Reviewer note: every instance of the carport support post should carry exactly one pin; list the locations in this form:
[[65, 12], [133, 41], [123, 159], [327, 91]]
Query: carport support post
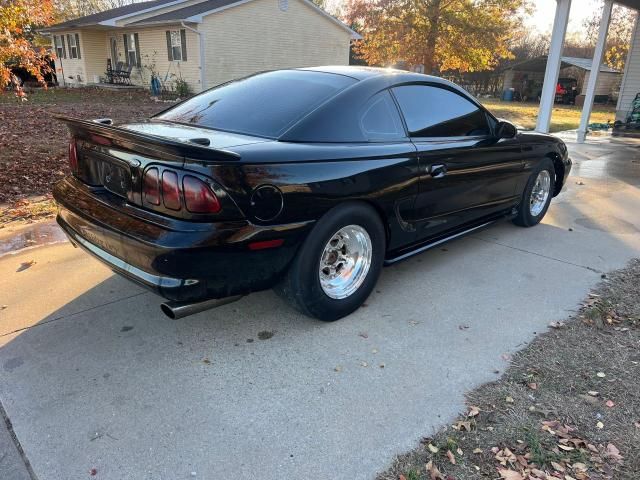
[[553, 65], [595, 71]]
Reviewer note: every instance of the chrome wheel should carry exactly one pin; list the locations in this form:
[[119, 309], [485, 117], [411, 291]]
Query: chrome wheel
[[540, 193], [345, 261]]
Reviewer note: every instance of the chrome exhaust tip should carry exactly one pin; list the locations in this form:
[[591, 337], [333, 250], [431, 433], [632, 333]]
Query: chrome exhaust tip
[[176, 310]]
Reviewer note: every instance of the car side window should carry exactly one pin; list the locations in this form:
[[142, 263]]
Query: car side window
[[431, 111], [380, 119]]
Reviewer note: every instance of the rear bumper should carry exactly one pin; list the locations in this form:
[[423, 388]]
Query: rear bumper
[[179, 260]]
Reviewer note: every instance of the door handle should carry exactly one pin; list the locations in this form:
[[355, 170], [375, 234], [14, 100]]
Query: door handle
[[438, 170]]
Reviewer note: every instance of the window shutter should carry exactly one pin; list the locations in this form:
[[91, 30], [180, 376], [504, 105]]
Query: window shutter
[[183, 42], [169, 51], [78, 45], [64, 49], [126, 47], [138, 61], [69, 43]]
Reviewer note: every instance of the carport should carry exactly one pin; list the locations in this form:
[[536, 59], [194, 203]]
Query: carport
[[630, 79]]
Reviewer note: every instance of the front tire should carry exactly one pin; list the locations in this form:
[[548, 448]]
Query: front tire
[[536, 197], [338, 265]]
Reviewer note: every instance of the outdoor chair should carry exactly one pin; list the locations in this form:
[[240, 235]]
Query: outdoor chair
[[124, 76], [112, 75]]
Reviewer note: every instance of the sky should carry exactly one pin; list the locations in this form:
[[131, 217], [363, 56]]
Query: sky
[[542, 19]]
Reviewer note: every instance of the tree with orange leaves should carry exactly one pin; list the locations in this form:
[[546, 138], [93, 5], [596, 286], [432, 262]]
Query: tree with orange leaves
[[441, 35], [18, 22]]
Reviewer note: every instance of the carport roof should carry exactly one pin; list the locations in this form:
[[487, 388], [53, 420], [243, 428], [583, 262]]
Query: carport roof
[[539, 64], [630, 3]]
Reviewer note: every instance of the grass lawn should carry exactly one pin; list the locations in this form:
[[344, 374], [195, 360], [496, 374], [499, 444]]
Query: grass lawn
[[564, 117], [566, 408]]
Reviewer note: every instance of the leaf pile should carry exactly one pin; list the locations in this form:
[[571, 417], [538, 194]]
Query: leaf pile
[[34, 145], [568, 406]]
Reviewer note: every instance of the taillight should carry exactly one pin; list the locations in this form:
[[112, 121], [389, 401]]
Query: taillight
[[151, 187], [170, 190], [73, 155], [167, 189], [198, 196]]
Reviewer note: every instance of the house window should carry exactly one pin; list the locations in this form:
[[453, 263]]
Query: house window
[[74, 50], [177, 45], [58, 41], [132, 49]]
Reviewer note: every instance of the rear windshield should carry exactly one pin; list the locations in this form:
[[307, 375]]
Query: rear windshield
[[265, 104]]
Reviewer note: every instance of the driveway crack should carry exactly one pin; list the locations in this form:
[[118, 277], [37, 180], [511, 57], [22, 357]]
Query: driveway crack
[[591, 269], [69, 315], [16, 442]]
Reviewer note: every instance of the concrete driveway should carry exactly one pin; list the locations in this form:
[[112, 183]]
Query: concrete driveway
[[93, 376]]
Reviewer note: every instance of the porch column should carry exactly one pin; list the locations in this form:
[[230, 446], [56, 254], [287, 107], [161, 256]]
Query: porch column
[[553, 65], [595, 70]]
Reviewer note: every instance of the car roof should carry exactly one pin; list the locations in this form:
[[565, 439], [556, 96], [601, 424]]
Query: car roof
[[363, 73]]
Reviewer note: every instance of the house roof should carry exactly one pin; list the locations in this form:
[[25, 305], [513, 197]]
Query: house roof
[[190, 13], [107, 15], [195, 12], [539, 64]]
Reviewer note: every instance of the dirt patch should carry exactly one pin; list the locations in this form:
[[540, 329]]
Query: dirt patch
[[567, 408], [34, 145]]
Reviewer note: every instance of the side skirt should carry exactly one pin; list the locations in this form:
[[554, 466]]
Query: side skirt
[[423, 247]]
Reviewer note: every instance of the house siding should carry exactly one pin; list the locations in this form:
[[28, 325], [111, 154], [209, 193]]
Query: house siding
[[631, 80], [258, 35], [71, 71], [153, 50]]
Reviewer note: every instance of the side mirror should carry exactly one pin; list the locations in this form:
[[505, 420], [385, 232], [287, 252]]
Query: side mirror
[[506, 129]]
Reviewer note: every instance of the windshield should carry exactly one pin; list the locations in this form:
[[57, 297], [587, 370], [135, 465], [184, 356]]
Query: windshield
[[265, 104]]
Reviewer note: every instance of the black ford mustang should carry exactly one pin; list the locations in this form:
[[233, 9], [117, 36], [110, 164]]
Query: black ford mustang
[[306, 180]]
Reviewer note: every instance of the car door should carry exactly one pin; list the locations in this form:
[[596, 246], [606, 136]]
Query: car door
[[466, 173]]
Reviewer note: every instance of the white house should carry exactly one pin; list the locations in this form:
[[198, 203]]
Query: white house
[[204, 42]]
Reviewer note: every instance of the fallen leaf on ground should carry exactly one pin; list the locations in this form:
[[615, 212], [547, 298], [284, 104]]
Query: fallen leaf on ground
[[338, 368], [613, 453], [510, 474], [556, 324], [533, 386], [432, 448], [601, 374], [600, 425], [363, 335], [473, 411], [25, 265], [462, 426], [433, 471], [509, 400], [593, 393], [557, 467], [477, 451], [610, 404], [451, 457]]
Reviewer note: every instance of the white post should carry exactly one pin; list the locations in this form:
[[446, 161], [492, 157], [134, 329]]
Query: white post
[[595, 70], [553, 65]]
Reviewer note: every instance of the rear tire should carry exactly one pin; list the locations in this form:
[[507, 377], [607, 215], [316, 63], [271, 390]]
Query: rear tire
[[536, 197], [338, 265]]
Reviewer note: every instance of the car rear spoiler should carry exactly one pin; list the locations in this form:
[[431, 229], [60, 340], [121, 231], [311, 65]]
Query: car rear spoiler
[[102, 132]]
